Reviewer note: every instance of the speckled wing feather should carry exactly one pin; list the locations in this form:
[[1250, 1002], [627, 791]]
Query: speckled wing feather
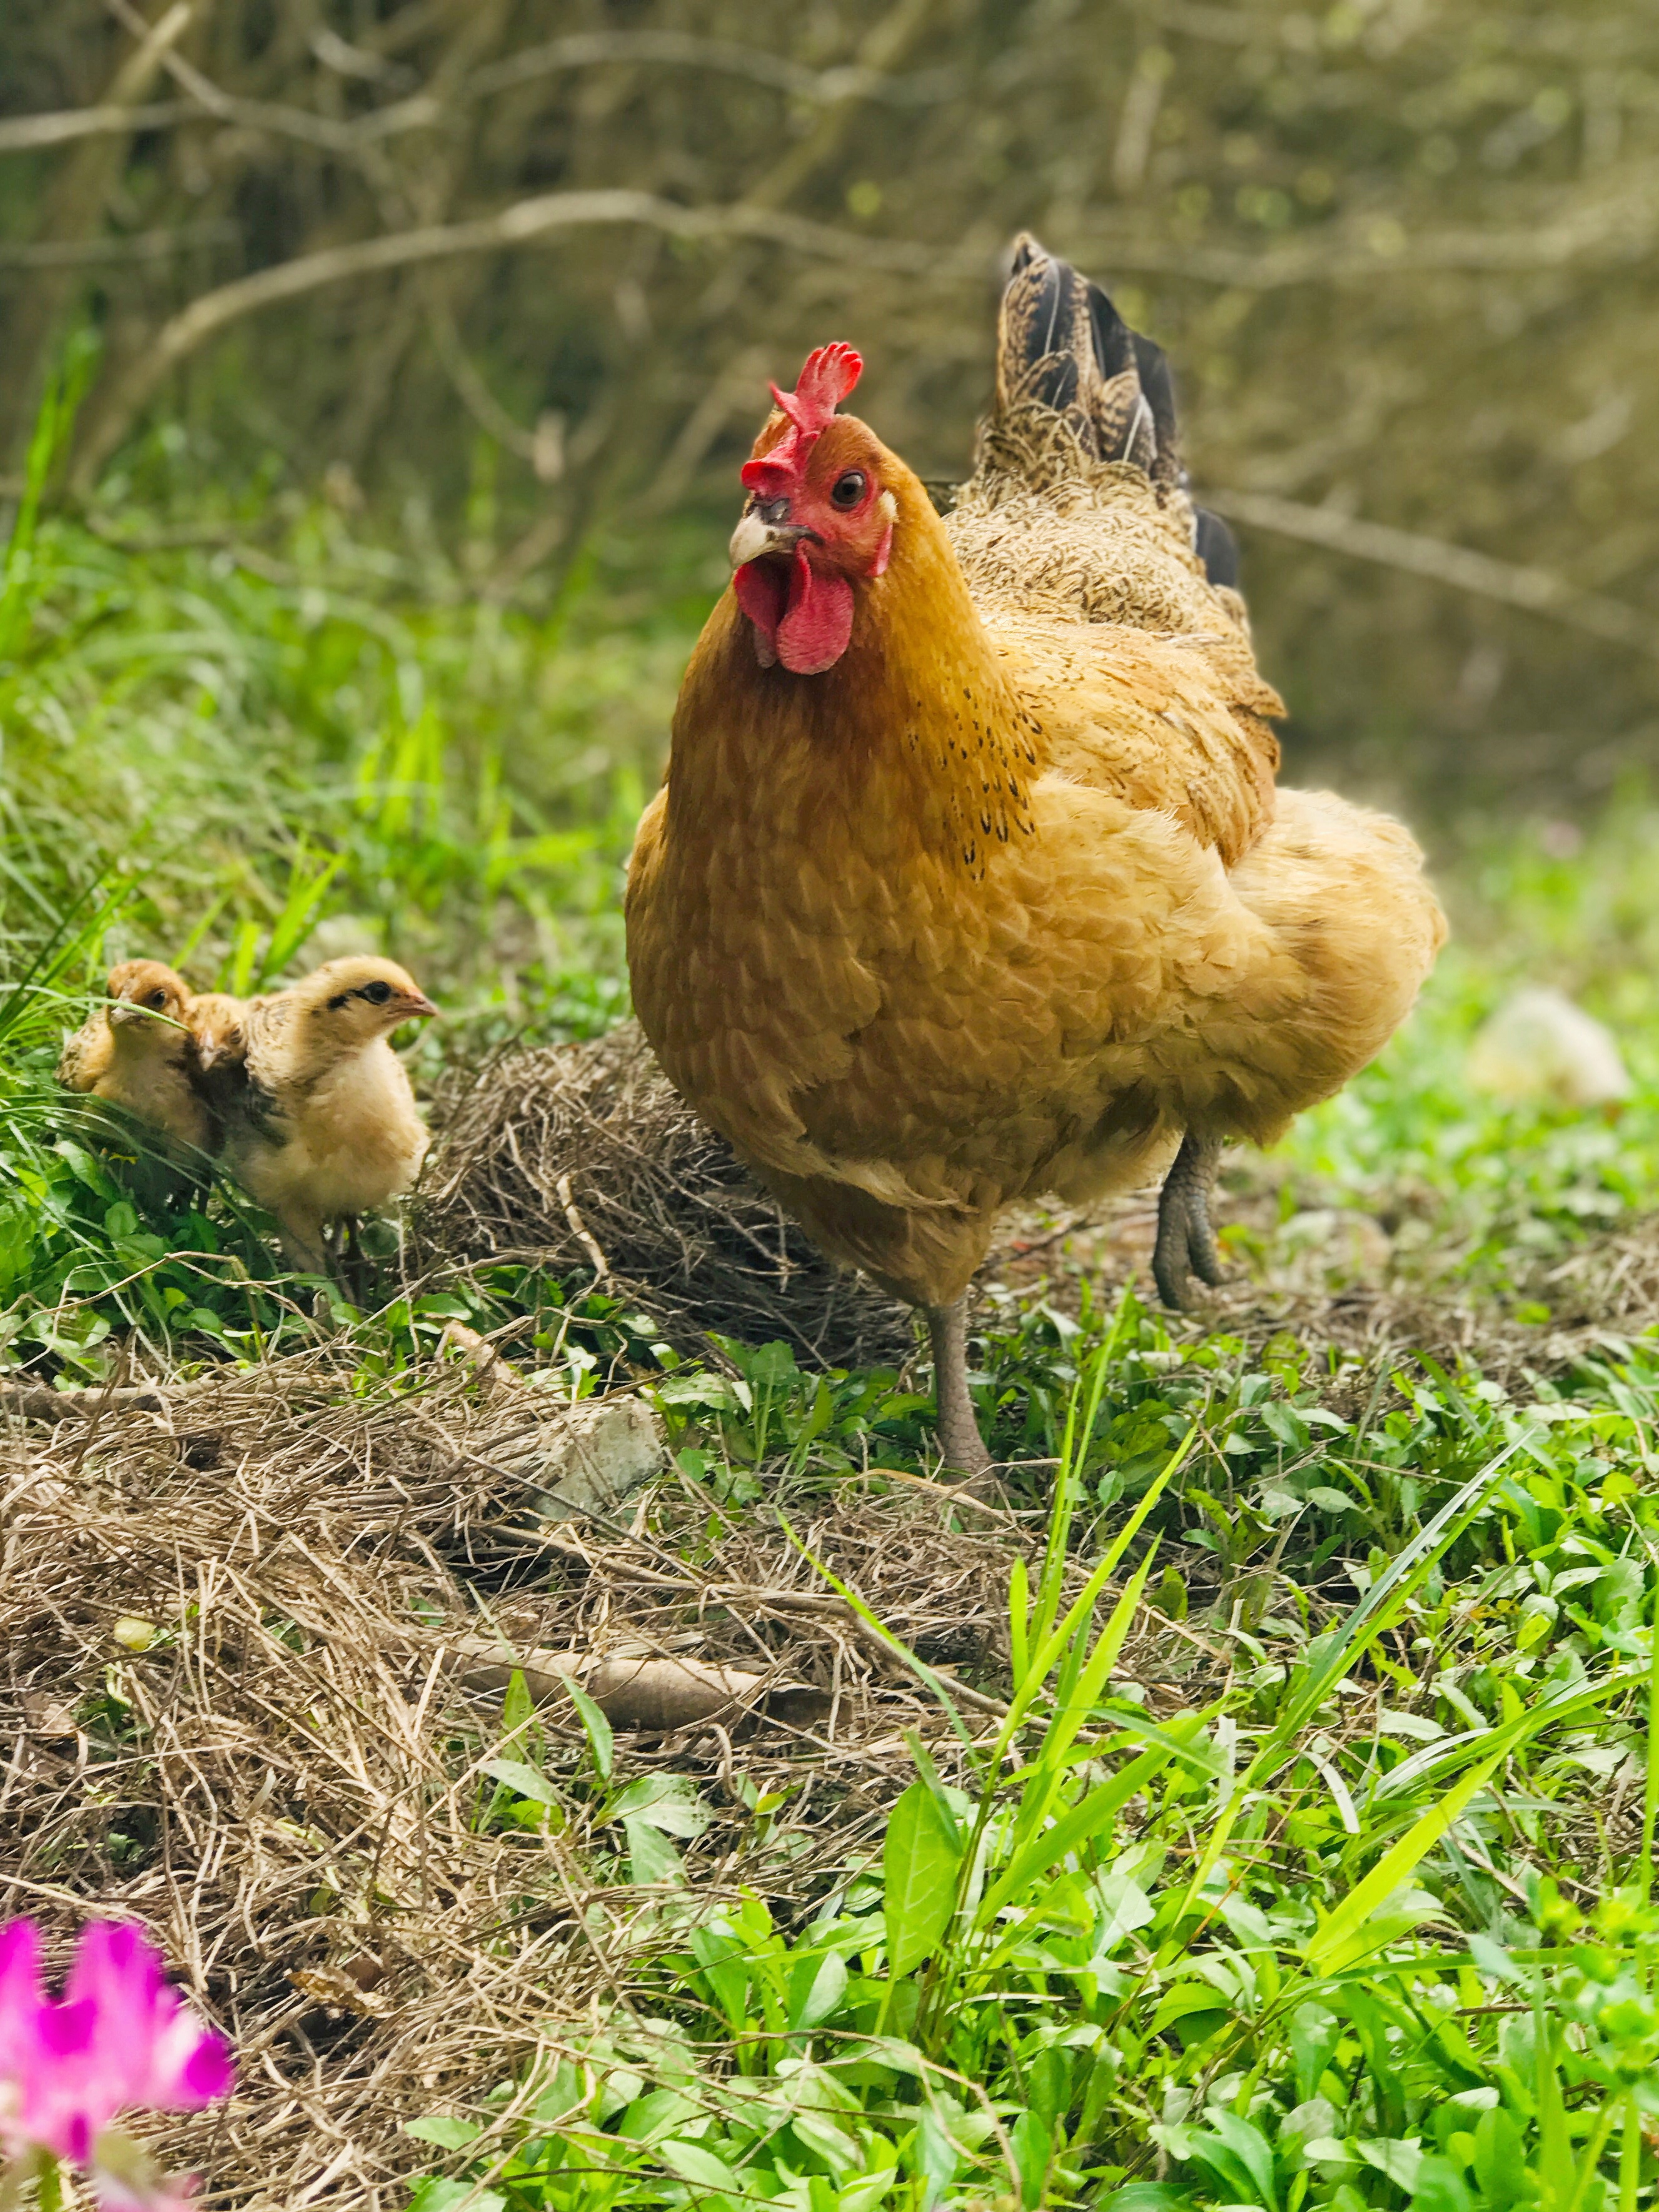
[[247, 1092], [86, 1055], [1179, 724]]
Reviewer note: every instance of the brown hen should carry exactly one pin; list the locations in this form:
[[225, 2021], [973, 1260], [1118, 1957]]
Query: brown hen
[[968, 881]]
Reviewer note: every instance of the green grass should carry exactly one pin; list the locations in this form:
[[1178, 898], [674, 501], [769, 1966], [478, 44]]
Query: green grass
[[1311, 1940], [1318, 1925]]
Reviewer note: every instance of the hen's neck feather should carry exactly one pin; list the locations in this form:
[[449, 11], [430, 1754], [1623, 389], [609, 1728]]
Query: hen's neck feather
[[916, 721]]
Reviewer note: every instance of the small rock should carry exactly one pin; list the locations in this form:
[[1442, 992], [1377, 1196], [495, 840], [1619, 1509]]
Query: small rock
[[1538, 1045], [594, 1454]]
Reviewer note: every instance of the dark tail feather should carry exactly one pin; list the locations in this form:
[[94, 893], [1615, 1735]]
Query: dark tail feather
[[1061, 342], [1216, 547]]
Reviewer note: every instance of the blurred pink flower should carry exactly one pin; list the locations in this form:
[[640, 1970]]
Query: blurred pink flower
[[118, 2038]]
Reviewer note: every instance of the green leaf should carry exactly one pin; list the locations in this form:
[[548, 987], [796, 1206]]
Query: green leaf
[[525, 1780], [651, 1858], [817, 1986], [1033, 2145], [667, 1801], [517, 1706], [447, 2133], [694, 2164], [601, 1742], [1091, 1817], [1250, 2147], [1441, 2188], [438, 2194], [1500, 2166], [920, 1857]]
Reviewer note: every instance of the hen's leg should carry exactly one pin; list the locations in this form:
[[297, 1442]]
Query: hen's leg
[[956, 1427], [1186, 1242]]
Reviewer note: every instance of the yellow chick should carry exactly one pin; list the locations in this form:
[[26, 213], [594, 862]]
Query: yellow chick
[[322, 1127], [214, 1019], [137, 1053]]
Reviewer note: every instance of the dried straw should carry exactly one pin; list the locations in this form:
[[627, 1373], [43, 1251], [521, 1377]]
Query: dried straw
[[285, 1786], [583, 1159]]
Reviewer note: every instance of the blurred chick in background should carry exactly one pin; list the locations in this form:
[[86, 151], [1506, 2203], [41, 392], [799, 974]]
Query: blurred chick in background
[[320, 1123], [137, 1053]]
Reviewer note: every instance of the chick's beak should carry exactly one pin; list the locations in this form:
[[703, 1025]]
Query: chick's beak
[[123, 1010], [417, 1007], [755, 535]]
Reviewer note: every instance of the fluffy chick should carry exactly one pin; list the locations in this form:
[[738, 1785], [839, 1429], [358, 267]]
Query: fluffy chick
[[219, 1055], [322, 1126], [137, 1053], [215, 1019]]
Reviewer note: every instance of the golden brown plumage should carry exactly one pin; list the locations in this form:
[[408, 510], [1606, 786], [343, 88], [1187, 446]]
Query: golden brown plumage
[[137, 1052], [957, 893]]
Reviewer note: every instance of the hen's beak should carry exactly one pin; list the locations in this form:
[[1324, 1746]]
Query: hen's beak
[[755, 535]]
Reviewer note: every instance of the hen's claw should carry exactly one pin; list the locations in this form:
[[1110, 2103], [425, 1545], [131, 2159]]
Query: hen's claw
[[1185, 1240]]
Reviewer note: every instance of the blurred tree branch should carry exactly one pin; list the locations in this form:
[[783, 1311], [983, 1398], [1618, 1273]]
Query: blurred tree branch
[[1404, 260], [1535, 589]]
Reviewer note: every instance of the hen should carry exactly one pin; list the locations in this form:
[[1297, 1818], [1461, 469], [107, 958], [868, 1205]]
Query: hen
[[968, 881]]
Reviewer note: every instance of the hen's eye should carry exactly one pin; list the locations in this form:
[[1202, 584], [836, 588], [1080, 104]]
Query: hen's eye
[[376, 993], [156, 999], [848, 489]]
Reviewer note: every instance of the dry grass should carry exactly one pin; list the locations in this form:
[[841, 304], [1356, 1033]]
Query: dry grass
[[285, 1786], [583, 1159]]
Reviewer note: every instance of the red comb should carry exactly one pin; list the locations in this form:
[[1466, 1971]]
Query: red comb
[[826, 378], [827, 375]]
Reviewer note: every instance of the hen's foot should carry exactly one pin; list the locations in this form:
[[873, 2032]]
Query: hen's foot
[[1185, 1241], [958, 1429]]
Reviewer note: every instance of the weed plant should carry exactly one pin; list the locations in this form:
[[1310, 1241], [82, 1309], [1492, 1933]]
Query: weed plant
[[1351, 1929]]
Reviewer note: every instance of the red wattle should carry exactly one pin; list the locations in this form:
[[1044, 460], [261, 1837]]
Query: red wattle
[[817, 623]]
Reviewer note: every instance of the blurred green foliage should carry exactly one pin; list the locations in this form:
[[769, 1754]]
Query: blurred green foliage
[[1402, 257]]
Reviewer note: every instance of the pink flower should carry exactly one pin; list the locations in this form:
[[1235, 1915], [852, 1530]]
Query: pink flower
[[118, 2039]]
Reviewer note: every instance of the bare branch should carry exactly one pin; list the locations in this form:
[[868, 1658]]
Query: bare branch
[[419, 111], [1535, 589], [524, 223], [251, 114], [116, 251], [27, 134], [682, 50]]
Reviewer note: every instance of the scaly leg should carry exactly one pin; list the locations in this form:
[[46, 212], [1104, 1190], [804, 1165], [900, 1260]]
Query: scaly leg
[[1186, 1242], [956, 1425]]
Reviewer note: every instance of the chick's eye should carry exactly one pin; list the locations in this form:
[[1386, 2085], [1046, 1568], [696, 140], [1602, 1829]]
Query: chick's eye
[[848, 489], [156, 999], [377, 993]]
